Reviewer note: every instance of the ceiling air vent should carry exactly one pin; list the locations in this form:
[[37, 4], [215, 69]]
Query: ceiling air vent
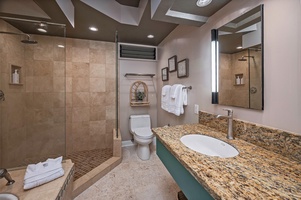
[[132, 51]]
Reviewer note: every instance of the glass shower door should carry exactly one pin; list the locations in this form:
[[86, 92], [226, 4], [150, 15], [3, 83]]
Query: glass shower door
[[33, 119], [255, 71]]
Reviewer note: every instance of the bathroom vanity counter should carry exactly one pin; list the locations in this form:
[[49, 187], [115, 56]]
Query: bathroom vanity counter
[[255, 173], [58, 189]]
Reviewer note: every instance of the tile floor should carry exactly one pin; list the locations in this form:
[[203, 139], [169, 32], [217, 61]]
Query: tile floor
[[85, 161], [134, 179]]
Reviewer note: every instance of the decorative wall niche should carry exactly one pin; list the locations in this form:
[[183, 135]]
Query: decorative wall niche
[[139, 94]]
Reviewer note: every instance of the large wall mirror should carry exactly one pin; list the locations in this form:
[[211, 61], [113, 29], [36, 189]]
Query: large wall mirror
[[240, 66]]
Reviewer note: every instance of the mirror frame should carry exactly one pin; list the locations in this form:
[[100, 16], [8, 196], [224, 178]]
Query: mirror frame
[[215, 61]]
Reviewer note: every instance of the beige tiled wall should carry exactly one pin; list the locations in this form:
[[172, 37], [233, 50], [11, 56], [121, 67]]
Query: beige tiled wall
[[90, 97], [231, 94], [33, 113]]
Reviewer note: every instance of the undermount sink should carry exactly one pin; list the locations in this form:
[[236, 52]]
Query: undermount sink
[[8, 196], [209, 146]]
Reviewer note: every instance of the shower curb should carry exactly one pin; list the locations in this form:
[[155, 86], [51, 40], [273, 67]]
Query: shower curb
[[93, 176], [100, 171]]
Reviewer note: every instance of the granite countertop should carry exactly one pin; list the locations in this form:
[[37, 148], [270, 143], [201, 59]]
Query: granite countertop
[[46, 191], [255, 173]]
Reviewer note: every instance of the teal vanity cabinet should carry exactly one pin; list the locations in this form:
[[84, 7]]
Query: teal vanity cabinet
[[192, 189]]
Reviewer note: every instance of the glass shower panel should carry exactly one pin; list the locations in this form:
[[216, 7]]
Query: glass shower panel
[[255, 71], [33, 114]]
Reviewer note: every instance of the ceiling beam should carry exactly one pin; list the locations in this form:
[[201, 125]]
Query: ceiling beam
[[68, 9], [123, 14], [161, 11]]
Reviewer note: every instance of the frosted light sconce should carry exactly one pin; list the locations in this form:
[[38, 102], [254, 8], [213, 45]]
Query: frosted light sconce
[[214, 65]]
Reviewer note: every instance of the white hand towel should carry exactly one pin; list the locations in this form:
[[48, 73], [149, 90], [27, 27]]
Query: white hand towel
[[173, 90], [165, 96], [43, 172], [185, 100], [176, 104]]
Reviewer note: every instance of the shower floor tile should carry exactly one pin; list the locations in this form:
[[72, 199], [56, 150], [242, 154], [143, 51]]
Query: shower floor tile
[[85, 161]]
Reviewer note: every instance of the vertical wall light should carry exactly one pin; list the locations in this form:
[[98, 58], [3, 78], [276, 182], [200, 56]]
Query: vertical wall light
[[214, 65]]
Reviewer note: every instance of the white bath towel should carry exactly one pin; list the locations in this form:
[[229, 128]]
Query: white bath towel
[[176, 104], [43, 172], [165, 96]]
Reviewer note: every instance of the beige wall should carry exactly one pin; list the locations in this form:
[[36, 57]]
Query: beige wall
[[90, 97], [143, 67], [282, 62]]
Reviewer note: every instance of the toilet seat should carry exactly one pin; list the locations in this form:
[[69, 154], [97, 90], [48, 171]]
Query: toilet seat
[[143, 133]]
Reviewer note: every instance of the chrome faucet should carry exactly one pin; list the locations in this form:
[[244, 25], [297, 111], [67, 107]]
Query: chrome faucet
[[4, 173], [230, 122]]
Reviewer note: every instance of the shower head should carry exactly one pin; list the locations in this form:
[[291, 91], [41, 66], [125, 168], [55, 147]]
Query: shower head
[[29, 41], [255, 49], [26, 41], [243, 58]]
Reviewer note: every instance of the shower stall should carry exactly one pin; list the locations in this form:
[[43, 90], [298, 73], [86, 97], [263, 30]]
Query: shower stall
[[241, 78], [65, 101]]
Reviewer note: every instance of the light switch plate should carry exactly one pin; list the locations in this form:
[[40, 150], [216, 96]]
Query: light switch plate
[[196, 109]]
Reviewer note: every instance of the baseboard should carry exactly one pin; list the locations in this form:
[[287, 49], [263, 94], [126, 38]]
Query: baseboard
[[127, 143]]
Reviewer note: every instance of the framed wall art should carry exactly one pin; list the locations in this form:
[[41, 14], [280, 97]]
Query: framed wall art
[[172, 64], [183, 68], [164, 74]]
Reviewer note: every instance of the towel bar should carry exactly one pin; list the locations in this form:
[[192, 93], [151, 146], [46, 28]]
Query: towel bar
[[188, 87]]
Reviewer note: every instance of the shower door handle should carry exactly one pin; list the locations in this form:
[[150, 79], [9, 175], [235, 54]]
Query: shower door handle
[[2, 96]]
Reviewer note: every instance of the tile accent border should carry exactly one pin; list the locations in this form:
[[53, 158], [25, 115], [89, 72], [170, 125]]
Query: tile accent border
[[279, 141], [66, 190]]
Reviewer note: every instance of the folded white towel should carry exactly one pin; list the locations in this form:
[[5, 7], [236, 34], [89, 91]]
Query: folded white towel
[[43, 172], [165, 96], [44, 180], [49, 165]]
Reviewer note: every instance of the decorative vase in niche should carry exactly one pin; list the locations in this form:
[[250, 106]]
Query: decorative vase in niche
[[140, 96]]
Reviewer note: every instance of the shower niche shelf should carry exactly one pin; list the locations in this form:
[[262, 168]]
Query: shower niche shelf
[[13, 68], [238, 80], [139, 94]]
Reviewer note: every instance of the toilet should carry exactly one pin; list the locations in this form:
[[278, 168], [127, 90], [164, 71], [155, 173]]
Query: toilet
[[140, 127]]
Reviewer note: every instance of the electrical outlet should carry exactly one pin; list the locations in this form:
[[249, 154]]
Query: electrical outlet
[[196, 109]]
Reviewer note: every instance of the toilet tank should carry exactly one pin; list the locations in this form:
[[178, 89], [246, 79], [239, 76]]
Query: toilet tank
[[139, 121]]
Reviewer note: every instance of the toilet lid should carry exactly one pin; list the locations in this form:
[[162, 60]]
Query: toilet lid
[[143, 132]]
